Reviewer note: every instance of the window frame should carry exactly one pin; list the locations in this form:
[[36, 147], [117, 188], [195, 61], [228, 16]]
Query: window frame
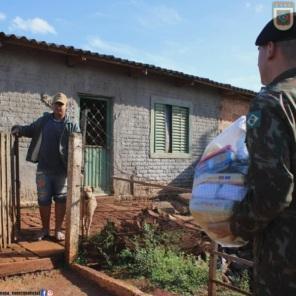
[[172, 102]]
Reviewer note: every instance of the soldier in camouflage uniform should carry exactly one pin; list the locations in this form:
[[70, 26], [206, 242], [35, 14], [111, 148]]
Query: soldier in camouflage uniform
[[268, 213]]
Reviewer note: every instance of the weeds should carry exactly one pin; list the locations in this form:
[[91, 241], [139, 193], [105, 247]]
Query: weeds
[[169, 270], [82, 257], [149, 254], [241, 283]]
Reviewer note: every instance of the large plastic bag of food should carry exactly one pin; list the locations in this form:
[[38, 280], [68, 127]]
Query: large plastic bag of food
[[219, 182], [233, 135]]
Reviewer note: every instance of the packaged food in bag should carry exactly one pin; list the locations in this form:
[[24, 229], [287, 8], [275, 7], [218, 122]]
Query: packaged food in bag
[[218, 162], [219, 182], [230, 136]]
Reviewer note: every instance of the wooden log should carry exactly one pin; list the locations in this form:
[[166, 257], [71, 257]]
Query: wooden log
[[213, 271], [73, 197]]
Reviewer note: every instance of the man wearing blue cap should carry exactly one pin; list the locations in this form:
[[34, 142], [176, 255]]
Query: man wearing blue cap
[[268, 213]]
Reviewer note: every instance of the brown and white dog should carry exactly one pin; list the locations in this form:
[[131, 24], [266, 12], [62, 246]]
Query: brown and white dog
[[88, 207]]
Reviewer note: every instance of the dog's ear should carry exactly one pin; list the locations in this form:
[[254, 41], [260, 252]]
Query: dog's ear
[[87, 189]]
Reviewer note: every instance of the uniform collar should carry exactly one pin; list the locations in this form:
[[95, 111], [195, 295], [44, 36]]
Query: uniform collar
[[283, 76]]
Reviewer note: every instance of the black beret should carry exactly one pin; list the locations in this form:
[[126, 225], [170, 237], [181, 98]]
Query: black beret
[[271, 33]]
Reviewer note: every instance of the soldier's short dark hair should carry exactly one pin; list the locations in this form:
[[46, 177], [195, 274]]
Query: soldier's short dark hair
[[288, 49]]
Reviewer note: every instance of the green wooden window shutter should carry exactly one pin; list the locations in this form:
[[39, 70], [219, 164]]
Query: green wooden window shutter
[[180, 129], [159, 128]]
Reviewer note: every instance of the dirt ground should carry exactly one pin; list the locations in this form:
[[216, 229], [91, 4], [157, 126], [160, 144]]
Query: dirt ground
[[123, 213], [61, 282], [108, 209]]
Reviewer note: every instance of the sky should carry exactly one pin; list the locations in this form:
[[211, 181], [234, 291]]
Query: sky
[[210, 39]]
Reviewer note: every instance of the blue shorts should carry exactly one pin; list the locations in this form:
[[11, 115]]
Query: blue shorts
[[51, 187]]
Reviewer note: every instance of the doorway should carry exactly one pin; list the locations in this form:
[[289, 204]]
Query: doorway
[[95, 123]]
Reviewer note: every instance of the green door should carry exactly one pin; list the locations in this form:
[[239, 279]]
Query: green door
[[95, 126]]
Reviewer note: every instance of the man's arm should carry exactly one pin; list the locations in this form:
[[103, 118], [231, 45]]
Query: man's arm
[[24, 131], [269, 179], [29, 130]]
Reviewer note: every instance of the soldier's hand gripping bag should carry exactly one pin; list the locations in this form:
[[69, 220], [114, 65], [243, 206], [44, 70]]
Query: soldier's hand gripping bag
[[219, 183]]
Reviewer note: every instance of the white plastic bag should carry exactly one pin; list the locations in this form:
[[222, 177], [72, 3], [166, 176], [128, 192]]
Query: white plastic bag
[[219, 181], [232, 135]]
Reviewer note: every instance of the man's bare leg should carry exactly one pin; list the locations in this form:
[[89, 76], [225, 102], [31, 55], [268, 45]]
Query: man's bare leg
[[60, 210], [45, 217]]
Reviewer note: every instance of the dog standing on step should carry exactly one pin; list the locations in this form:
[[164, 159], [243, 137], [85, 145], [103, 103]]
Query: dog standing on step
[[89, 204]]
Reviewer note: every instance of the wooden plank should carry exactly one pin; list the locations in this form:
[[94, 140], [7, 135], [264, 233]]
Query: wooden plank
[[213, 271], [22, 253], [235, 259], [132, 186], [230, 287], [155, 185], [12, 174], [8, 188], [18, 186], [114, 286], [28, 266], [15, 253], [1, 232], [13, 190], [3, 189], [43, 248], [73, 197]]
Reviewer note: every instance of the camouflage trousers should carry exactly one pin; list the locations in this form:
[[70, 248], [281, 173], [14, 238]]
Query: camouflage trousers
[[275, 259], [274, 282]]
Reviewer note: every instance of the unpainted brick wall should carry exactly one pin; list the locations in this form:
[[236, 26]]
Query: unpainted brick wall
[[25, 75], [232, 108]]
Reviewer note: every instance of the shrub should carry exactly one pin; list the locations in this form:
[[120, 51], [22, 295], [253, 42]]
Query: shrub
[[150, 254], [169, 270], [82, 257], [105, 246]]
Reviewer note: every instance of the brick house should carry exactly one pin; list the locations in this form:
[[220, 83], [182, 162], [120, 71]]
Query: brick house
[[137, 119]]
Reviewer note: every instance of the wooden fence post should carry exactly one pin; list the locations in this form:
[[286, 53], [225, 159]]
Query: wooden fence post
[[6, 222], [73, 197], [18, 186], [3, 191], [8, 189], [212, 270], [132, 185]]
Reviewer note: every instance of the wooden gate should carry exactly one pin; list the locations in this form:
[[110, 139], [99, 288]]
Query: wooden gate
[[9, 189]]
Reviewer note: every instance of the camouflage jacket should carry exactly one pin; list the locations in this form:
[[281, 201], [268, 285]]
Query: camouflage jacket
[[267, 215]]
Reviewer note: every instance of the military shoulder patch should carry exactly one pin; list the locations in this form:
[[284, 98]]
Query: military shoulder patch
[[254, 119]]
